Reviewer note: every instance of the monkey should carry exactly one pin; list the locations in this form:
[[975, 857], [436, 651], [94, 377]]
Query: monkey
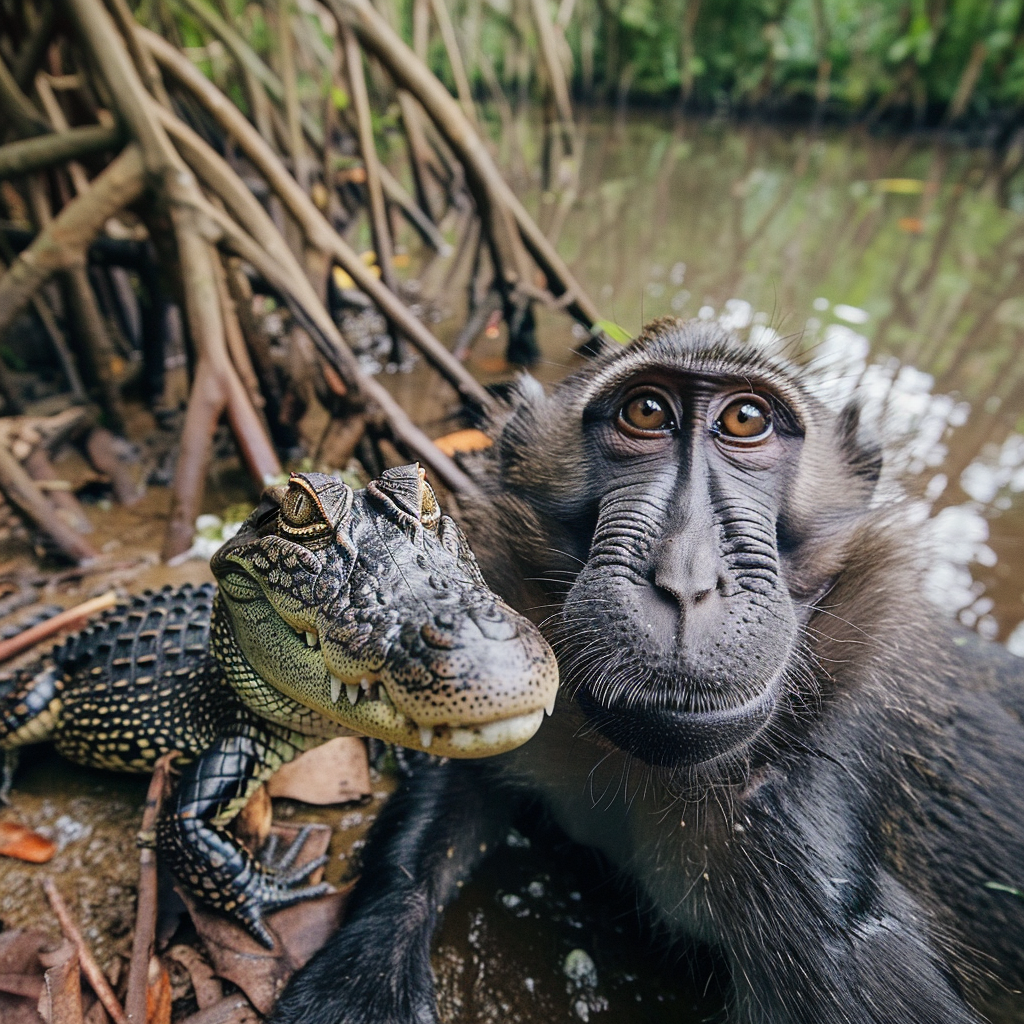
[[762, 724]]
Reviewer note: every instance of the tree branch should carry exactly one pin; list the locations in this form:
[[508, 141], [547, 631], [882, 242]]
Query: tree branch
[[63, 243], [33, 154]]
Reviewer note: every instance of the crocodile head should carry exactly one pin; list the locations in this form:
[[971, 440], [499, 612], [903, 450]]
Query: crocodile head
[[369, 608]]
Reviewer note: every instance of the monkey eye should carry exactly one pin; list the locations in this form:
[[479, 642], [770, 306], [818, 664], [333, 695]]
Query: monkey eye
[[645, 413], [745, 419]]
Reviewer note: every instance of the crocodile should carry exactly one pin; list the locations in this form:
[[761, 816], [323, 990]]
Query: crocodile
[[335, 612]]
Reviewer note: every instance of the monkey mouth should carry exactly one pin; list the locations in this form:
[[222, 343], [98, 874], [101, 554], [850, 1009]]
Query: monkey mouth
[[666, 737]]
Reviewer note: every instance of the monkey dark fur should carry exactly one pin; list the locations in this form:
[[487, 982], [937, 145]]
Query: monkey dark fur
[[762, 722]]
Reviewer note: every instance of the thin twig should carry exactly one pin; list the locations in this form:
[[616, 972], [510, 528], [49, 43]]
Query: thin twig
[[96, 978], [451, 46], [18, 106], [145, 913], [364, 124]]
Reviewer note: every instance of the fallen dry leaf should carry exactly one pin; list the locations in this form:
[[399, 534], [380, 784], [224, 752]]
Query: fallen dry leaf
[[19, 964], [158, 993], [234, 1009], [23, 844], [28, 985], [61, 1001], [205, 986], [470, 440], [253, 822], [336, 772], [19, 951], [19, 1010], [299, 931]]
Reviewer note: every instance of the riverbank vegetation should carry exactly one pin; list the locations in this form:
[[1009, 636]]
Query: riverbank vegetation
[[908, 62]]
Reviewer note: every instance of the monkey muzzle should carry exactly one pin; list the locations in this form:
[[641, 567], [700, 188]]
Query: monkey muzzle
[[667, 737]]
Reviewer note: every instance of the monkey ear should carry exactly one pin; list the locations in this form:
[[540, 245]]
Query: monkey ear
[[862, 449]]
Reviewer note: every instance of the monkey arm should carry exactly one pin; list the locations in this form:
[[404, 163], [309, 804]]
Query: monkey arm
[[376, 970], [872, 965]]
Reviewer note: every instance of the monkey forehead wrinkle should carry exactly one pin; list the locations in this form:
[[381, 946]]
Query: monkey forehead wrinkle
[[705, 352]]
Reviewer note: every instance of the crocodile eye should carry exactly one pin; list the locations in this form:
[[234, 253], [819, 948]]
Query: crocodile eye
[[646, 413], [746, 419], [298, 509], [430, 510]]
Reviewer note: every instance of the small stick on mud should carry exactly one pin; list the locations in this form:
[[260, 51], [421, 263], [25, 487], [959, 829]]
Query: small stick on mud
[[96, 978], [71, 618], [145, 912]]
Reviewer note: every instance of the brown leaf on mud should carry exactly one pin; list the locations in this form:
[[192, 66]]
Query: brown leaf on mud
[[205, 986], [336, 772], [28, 985], [19, 952], [158, 993], [299, 931], [21, 976], [471, 440], [23, 844], [252, 824], [61, 1001], [234, 1009]]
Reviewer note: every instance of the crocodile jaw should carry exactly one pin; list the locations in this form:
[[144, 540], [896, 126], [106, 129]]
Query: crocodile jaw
[[300, 671], [380, 718]]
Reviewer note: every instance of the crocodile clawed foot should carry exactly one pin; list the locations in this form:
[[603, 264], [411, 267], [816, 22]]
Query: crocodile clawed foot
[[277, 884], [275, 892], [282, 864]]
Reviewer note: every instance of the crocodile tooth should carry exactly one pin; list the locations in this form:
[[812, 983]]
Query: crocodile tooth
[[335, 689], [426, 735], [365, 684], [353, 692], [550, 709], [385, 698], [311, 638]]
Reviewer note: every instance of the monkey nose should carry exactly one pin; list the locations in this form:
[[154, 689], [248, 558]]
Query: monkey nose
[[688, 591], [690, 574]]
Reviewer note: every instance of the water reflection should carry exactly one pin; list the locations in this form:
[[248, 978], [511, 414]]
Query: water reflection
[[891, 267]]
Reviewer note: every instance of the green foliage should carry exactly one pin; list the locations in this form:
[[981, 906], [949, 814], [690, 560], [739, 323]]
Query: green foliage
[[614, 331], [914, 53]]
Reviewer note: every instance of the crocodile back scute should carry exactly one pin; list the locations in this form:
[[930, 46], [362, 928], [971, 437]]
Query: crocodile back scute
[[140, 682]]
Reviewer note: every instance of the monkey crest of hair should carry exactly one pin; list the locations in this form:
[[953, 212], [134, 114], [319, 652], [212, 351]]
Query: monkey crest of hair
[[762, 722]]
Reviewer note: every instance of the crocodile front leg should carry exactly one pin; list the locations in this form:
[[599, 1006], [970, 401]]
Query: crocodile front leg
[[207, 860]]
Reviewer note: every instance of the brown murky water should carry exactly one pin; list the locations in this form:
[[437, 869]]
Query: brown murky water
[[892, 265]]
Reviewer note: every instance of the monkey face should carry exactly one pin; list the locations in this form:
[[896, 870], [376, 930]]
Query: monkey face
[[681, 473]]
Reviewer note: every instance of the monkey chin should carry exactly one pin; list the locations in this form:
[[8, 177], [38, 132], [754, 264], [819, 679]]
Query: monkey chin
[[666, 737]]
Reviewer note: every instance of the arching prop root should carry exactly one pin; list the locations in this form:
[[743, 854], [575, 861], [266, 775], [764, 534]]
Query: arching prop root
[[199, 212]]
